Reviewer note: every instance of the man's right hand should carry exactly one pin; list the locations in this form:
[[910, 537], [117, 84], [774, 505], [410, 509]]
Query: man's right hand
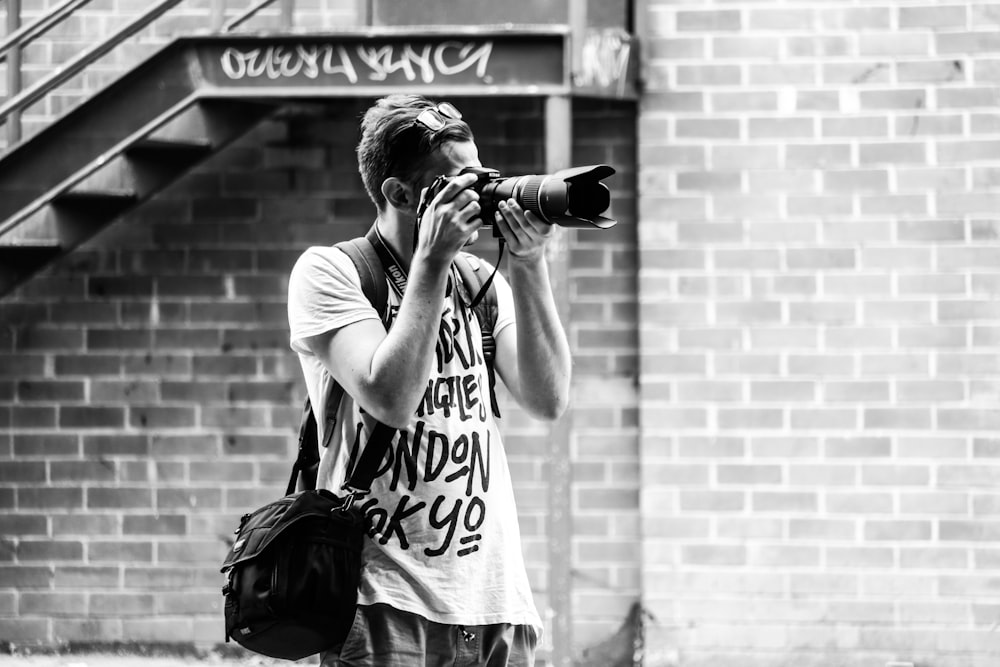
[[450, 221]]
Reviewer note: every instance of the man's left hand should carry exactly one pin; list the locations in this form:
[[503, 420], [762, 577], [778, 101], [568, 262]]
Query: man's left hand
[[525, 233]]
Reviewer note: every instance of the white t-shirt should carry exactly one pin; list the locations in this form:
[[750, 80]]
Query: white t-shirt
[[444, 538]]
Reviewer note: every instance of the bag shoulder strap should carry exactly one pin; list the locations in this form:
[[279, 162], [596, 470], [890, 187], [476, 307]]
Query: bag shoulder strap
[[362, 253], [474, 272]]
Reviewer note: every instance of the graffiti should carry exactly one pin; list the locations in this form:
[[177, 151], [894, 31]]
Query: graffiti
[[426, 62], [604, 60]]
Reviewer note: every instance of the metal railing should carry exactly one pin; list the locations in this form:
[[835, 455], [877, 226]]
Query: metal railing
[[11, 110], [19, 36], [287, 9], [12, 54]]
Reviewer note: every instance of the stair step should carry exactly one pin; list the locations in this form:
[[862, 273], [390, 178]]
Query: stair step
[[169, 150], [224, 119], [213, 122], [19, 261], [150, 164], [80, 214], [17, 256], [112, 201]]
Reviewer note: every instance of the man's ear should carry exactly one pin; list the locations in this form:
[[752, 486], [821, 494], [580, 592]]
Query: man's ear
[[400, 195]]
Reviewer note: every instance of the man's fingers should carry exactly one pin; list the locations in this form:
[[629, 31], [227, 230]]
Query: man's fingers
[[465, 198], [470, 212], [537, 224], [456, 186]]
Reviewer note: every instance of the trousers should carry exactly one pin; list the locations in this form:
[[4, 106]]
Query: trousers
[[386, 637]]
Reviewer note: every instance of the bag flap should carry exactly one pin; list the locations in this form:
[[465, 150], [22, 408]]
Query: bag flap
[[260, 528]]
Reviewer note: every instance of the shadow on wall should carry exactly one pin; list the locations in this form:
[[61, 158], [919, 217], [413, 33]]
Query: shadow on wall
[[622, 649]]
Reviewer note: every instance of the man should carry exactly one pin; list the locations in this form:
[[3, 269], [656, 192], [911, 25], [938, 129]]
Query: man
[[443, 580]]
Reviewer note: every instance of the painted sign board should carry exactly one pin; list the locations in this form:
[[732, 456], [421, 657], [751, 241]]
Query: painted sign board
[[469, 62], [338, 64]]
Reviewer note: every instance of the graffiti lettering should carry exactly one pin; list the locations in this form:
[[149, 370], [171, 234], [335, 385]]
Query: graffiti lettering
[[425, 62], [468, 54], [604, 60]]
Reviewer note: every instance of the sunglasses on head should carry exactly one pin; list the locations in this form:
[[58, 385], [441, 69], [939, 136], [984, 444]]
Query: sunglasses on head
[[436, 117]]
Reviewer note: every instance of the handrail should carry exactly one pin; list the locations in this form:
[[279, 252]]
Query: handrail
[[27, 34], [77, 65], [19, 36], [246, 15], [14, 70], [77, 178]]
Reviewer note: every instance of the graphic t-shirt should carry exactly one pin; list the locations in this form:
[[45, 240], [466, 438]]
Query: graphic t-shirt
[[444, 537]]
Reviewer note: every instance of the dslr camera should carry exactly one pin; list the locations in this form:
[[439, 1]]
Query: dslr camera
[[573, 197]]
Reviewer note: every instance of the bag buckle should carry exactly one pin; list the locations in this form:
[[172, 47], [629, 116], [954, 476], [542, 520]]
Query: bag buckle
[[353, 495]]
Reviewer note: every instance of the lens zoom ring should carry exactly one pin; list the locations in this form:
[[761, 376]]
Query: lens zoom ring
[[529, 195]]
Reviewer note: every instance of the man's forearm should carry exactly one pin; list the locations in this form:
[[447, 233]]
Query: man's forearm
[[403, 362], [543, 355]]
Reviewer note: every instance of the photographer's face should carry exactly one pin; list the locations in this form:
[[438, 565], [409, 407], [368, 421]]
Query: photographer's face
[[448, 160]]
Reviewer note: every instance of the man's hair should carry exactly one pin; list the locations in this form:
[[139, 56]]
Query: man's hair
[[393, 143]]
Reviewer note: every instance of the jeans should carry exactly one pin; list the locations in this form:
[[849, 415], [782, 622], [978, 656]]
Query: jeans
[[385, 637]]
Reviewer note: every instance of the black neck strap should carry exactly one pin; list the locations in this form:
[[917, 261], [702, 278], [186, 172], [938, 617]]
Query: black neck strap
[[397, 275], [390, 262]]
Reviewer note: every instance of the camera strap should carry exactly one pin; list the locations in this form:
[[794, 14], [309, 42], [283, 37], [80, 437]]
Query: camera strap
[[390, 263], [489, 281]]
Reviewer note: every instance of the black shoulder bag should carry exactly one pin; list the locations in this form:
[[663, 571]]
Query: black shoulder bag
[[294, 568], [293, 571]]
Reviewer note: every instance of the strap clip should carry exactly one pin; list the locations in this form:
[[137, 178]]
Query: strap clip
[[353, 496]]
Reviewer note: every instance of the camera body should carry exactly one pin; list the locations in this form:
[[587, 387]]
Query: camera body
[[488, 208], [573, 197]]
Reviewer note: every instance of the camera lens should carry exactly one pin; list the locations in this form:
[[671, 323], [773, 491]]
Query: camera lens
[[573, 197], [549, 197]]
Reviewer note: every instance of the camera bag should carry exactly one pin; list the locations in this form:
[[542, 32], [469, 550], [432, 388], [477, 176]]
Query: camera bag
[[293, 570]]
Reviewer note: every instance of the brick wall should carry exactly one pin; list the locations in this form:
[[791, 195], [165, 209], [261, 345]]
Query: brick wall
[[819, 190], [604, 452], [149, 393], [812, 319], [148, 396]]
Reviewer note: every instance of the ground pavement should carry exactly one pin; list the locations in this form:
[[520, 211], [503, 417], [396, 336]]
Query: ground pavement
[[125, 660]]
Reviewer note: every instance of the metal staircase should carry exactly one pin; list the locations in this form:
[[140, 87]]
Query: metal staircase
[[199, 93], [113, 152], [86, 170]]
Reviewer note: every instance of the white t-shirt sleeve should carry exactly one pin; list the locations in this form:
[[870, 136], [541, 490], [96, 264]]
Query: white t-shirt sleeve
[[324, 294]]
